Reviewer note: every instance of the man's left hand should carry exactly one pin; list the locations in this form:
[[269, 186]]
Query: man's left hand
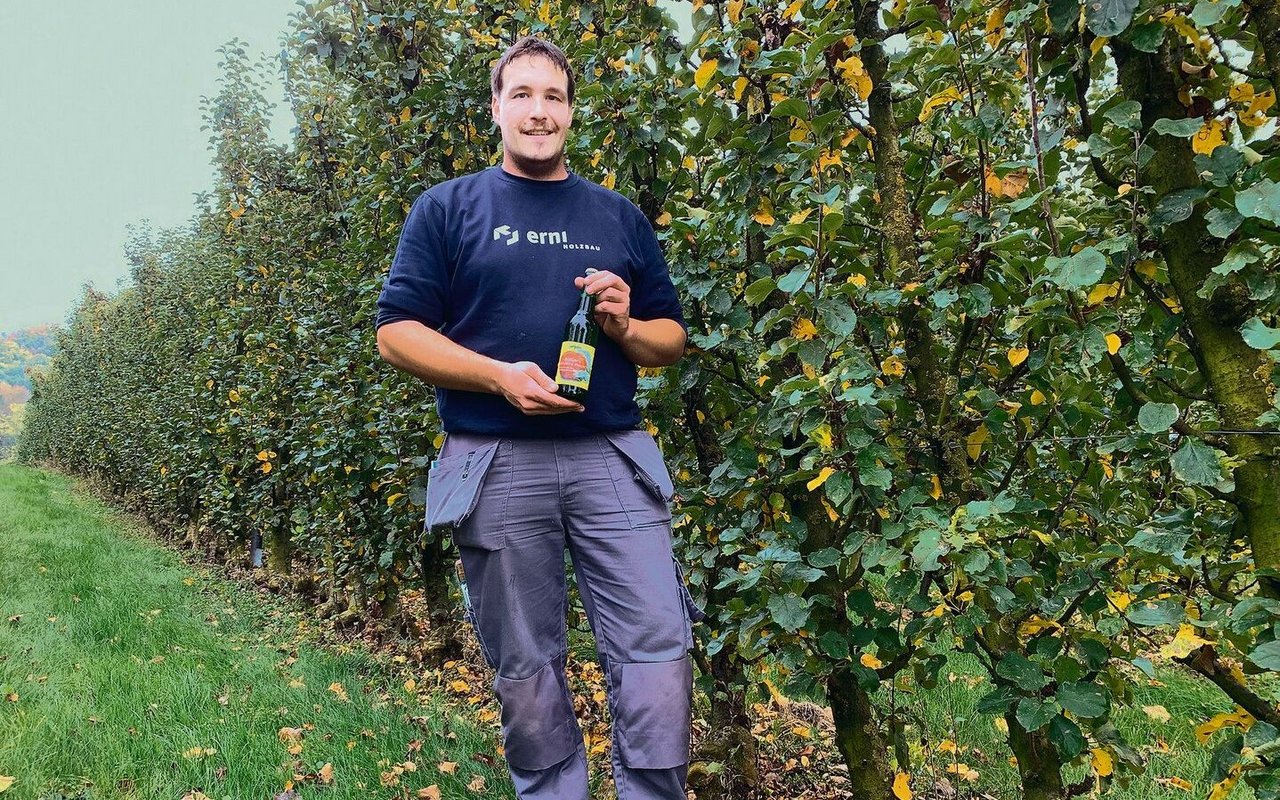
[[613, 302]]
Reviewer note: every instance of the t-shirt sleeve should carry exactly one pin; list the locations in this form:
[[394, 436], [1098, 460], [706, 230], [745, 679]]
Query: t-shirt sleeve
[[417, 286], [653, 296]]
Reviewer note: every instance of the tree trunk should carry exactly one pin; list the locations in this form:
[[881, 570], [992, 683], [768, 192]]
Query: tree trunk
[[723, 766], [860, 737], [1233, 371], [1039, 766]]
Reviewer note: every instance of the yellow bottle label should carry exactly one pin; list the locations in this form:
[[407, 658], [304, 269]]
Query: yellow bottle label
[[574, 366]]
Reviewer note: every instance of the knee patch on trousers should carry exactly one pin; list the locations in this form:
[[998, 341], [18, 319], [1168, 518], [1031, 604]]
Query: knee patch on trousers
[[651, 712], [539, 729]]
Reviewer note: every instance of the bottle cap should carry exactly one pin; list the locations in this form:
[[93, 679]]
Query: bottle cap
[[592, 270]]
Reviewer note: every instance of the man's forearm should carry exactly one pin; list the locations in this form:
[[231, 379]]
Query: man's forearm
[[415, 348], [653, 343]]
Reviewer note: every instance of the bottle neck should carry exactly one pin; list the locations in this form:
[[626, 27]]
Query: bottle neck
[[584, 303]]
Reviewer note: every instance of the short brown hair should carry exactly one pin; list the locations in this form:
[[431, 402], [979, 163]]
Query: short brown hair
[[530, 46]]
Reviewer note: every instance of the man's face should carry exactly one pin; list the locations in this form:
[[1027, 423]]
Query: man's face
[[533, 113]]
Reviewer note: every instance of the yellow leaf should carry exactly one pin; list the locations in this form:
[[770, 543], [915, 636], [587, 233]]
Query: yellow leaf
[[340, 691], [1097, 45], [1236, 719], [802, 731], [793, 9], [945, 97], [734, 7], [1102, 292], [893, 366], [544, 12], [432, 792], [233, 396], [405, 114], [1176, 782], [804, 329], [704, 73], [763, 217], [1183, 643], [609, 181], [410, 685], [1120, 600], [1146, 268], [870, 662], [822, 435], [1158, 713], [995, 24], [800, 216], [1241, 93], [1017, 355], [826, 472], [739, 86], [902, 786], [947, 746], [266, 467], [462, 687], [1209, 136], [1101, 762], [1124, 189], [855, 74], [975, 440], [1113, 343], [858, 279], [1036, 624], [936, 491], [326, 773], [6, 781], [664, 218], [1037, 397]]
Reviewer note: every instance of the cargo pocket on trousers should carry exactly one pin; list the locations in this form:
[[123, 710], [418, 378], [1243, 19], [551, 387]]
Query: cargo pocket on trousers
[[646, 489], [539, 729], [652, 712], [453, 492]]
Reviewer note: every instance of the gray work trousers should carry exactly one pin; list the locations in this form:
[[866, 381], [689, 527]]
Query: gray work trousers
[[513, 506]]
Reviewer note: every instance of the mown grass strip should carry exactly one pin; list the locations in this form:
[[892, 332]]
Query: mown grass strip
[[126, 674]]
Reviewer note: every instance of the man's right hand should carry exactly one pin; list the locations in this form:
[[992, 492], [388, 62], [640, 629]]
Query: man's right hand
[[529, 389]]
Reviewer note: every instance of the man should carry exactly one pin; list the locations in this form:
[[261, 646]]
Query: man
[[488, 271]]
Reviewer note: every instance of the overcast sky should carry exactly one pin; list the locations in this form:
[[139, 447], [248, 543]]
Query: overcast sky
[[100, 128]]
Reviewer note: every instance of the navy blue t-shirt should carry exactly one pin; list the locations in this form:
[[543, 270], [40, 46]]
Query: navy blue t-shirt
[[489, 260]]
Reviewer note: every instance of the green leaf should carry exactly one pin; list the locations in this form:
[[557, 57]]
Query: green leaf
[[1220, 167], [1196, 463], [838, 316], [1034, 713], [834, 645], [1077, 271], [1022, 672], [759, 290], [1157, 417], [794, 280], [826, 557], [1261, 200], [1222, 222], [791, 107], [1151, 614], [1109, 17], [1176, 206], [1085, 700], [1210, 12], [789, 611], [1148, 37], [1066, 736], [1125, 114], [1182, 128], [1267, 656], [1258, 336]]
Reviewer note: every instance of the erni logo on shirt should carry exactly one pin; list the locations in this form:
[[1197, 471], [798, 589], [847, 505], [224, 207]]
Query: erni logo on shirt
[[512, 236]]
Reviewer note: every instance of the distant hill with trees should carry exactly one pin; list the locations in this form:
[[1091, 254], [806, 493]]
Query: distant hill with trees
[[29, 347]]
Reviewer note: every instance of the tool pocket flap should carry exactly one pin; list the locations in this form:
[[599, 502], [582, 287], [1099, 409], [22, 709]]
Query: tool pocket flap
[[453, 486], [642, 451]]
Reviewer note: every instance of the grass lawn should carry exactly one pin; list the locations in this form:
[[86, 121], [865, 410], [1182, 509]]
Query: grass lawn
[[125, 673]]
